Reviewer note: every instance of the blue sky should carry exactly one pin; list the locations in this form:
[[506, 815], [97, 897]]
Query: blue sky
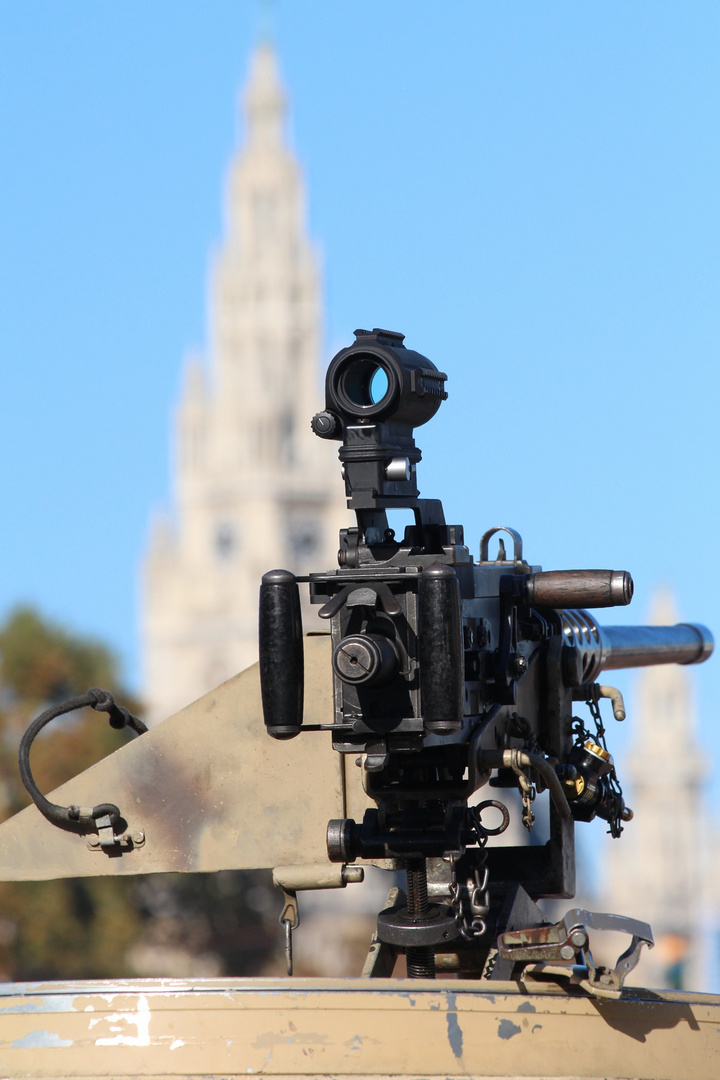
[[528, 191]]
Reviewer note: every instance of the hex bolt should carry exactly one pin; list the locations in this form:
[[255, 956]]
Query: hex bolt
[[520, 665]]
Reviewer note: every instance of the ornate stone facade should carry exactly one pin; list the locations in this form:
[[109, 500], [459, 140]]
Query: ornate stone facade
[[254, 489], [663, 869]]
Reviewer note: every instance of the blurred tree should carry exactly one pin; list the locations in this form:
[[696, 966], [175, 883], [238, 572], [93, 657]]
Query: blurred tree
[[41, 662], [99, 927], [71, 928], [209, 924]]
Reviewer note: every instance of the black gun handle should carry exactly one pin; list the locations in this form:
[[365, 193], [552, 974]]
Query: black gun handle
[[578, 588], [281, 654], [440, 650]]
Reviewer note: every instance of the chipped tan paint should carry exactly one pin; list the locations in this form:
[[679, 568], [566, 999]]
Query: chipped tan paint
[[119, 1026], [359, 1028]]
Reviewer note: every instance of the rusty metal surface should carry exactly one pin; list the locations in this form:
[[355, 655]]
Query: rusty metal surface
[[311, 1028], [207, 787]]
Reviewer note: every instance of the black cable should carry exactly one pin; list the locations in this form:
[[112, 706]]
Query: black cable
[[75, 818]]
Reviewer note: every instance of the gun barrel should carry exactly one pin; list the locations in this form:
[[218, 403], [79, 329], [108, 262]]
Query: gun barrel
[[607, 648], [638, 646]]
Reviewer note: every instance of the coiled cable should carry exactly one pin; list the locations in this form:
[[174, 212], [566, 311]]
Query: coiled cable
[[74, 818]]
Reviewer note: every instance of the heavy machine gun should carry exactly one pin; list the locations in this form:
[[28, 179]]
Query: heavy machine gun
[[439, 678], [450, 675]]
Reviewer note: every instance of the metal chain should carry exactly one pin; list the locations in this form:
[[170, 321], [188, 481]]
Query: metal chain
[[615, 800], [527, 794], [597, 717], [471, 903], [471, 898], [520, 728]]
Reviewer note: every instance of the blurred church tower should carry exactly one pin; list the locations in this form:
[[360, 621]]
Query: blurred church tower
[[663, 869], [253, 488]]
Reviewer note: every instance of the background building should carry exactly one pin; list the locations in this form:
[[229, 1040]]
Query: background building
[[663, 869], [254, 489]]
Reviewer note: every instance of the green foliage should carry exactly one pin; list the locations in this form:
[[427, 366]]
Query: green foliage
[[41, 662], [227, 920], [79, 928]]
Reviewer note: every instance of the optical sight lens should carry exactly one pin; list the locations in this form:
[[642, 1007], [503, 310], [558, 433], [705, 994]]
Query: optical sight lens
[[365, 382], [379, 385]]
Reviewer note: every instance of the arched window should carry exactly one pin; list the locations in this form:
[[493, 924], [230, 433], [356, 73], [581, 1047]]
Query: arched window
[[225, 540], [303, 538]]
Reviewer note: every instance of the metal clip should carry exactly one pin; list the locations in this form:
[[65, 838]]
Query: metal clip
[[567, 942], [290, 920], [112, 844], [527, 790], [105, 831]]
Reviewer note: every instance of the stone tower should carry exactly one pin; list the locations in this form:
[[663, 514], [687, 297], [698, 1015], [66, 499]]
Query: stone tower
[[253, 488], [662, 870]]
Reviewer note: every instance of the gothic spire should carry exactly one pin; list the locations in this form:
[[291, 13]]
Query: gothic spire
[[264, 102]]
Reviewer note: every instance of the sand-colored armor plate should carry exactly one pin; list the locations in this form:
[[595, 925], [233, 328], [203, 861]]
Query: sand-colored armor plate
[[360, 1028], [207, 789]]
